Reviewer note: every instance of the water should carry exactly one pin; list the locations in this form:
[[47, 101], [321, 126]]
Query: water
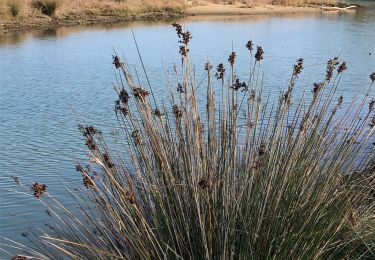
[[52, 80]]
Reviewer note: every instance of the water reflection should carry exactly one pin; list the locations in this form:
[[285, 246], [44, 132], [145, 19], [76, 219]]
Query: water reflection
[[361, 16]]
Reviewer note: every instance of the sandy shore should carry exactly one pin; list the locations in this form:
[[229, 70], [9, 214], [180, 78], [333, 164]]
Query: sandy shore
[[220, 9]]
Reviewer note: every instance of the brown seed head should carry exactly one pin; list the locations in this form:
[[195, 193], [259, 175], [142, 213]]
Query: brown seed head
[[250, 45], [130, 196], [342, 67], [372, 122], [79, 168], [183, 50], [88, 181], [220, 71], [317, 87], [91, 144], [331, 65], [180, 88], [38, 189], [238, 85], [157, 112], [204, 183], [177, 112], [298, 67], [372, 76], [124, 96], [259, 54], [19, 257], [207, 66], [107, 160], [340, 100], [117, 62], [371, 105], [140, 93], [262, 149], [232, 58]]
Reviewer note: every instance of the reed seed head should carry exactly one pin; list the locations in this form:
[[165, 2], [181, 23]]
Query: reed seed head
[[207, 66], [38, 189], [19, 257], [372, 76], [342, 67], [220, 71], [259, 54], [140, 93], [91, 145], [237, 85], [124, 96], [180, 88], [157, 112], [340, 101], [262, 149], [130, 196], [250, 45], [107, 160], [177, 112], [331, 65], [183, 50], [204, 183], [298, 67], [88, 181], [232, 58], [317, 87], [117, 62], [178, 28], [79, 168]]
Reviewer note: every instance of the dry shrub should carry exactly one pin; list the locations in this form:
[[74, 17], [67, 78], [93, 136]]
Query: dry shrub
[[46, 7]]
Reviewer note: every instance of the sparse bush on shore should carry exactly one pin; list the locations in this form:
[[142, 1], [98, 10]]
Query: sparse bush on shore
[[14, 9], [46, 7], [239, 177]]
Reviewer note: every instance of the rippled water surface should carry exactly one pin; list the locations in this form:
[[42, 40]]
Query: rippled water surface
[[52, 80]]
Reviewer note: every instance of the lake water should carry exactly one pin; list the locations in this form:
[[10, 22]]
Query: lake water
[[52, 80]]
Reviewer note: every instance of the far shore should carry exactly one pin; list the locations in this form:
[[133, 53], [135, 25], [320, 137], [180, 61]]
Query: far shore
[[84, 18]]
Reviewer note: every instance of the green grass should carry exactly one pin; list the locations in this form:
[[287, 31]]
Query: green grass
[[244, 178]]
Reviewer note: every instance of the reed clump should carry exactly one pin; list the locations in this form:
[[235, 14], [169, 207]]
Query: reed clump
[[238, 178]]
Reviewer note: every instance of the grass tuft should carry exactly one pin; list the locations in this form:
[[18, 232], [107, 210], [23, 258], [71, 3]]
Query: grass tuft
[[239, 177]]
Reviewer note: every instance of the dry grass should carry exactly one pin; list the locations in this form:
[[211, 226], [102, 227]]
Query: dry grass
[[66, 7]]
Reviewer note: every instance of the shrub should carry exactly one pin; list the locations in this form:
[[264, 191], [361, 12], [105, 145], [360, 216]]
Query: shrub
[[14, 9], [47, 7], [237, 178]]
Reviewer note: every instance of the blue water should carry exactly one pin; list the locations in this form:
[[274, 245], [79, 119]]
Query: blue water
[[52, 80]]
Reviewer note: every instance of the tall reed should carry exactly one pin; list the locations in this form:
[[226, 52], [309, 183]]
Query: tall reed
[[243, 178]]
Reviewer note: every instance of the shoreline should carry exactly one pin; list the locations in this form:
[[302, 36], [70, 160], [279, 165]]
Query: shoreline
[[45, 22]]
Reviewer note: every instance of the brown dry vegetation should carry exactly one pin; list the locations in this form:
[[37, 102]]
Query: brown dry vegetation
[[66, 8]]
